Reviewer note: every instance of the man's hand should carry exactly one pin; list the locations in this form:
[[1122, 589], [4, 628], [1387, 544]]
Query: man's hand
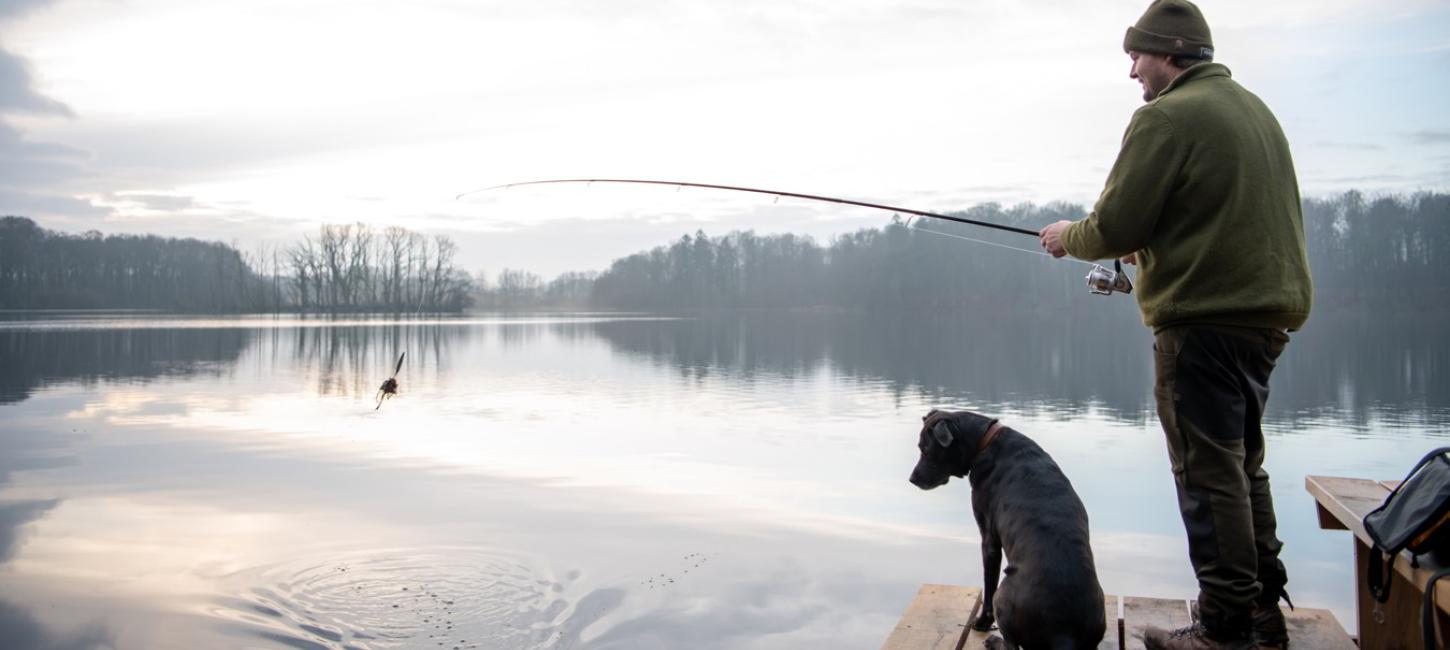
[[1130, 258], [1051, 238]]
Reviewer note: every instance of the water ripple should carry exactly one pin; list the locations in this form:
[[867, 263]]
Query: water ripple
[[414, 598]]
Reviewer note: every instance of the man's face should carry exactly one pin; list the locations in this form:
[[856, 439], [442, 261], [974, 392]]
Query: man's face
[[1153, 71]]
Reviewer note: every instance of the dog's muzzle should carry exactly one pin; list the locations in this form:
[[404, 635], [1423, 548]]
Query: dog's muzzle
[[927, 476]]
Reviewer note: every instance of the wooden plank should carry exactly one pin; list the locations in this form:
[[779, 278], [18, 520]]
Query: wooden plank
[[1398, 627], [1327, 520], [1348, 500], [1140, 613], [1317, 629], [976, 640], [936, 619], [1113, 638]]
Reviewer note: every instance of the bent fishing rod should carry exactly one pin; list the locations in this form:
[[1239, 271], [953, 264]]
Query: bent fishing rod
[[1100, 281]]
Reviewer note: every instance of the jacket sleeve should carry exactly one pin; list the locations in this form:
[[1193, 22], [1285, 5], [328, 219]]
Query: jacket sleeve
[[1137, 188]]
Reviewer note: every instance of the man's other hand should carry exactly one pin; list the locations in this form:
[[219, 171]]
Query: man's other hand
[[1130, 258], [1051, 238]]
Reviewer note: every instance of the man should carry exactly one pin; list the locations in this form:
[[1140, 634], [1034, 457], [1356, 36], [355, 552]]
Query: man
[[1203, 198]]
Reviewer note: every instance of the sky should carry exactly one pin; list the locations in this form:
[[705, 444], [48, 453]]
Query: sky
[[256, 122]]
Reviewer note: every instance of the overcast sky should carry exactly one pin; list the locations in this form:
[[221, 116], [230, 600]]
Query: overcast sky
[[256, 121]]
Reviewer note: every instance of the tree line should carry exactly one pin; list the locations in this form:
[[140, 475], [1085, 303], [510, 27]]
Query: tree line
[[344, 268], [1379, 252], [354, 267]]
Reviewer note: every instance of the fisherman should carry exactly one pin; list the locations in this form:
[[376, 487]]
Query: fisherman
[[1203, 198]]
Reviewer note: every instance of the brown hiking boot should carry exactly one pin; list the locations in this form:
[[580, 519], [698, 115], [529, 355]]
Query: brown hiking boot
[[1193, 637]]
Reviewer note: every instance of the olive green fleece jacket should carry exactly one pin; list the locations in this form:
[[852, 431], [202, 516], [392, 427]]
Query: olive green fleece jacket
[[1204, 192]]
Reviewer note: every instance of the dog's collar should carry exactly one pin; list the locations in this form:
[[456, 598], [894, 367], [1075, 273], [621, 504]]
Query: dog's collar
[[987, 438]]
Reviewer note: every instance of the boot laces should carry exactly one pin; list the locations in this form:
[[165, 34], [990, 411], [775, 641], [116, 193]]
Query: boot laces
[[1190, 631]]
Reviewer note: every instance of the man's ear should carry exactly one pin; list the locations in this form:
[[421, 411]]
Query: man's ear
[[942, 433]]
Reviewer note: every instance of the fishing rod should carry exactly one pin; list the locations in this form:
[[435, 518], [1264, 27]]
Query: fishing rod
[[794, 195], [1100, 280]]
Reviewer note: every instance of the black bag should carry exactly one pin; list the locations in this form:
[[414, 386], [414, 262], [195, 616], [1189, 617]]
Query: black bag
[[1414, 517], [1427, 610]]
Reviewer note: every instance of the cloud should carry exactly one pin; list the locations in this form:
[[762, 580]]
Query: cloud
[[17, 94], [27, 204], [26, 164], [1428, 136], [1354, 146], [17, 8], [30, 171], [159, 202], [1357, 181]]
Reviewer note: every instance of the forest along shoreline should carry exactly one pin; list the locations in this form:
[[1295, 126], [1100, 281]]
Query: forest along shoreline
[[1380, 253]]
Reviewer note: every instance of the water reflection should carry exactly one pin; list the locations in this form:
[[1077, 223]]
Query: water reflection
[[603, 482], [345, 361], [454, 597], [32, 358], [23, 449], [1362, 369], [1348, 368]]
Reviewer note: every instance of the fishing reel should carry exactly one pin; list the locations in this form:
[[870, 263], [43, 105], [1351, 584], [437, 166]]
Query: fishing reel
[[1103, 282]]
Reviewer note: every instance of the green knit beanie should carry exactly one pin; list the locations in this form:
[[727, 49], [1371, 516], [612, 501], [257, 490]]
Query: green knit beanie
[[1173, 27]]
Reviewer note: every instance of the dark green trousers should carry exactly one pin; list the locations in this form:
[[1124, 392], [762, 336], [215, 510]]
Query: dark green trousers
[[1211, 386]]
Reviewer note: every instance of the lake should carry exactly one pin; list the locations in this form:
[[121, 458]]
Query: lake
[[610, 481]]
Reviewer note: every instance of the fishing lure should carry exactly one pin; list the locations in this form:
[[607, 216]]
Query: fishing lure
[[390, 385]]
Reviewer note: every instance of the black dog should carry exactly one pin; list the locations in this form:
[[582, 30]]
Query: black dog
[[1050, 598]]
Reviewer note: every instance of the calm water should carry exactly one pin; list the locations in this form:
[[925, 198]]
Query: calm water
[[607, 482]]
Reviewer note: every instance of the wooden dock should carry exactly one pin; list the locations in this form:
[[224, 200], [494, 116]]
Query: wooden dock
[[940, 618]]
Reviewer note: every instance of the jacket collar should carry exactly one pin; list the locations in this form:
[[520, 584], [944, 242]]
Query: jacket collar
[[1200, 71]]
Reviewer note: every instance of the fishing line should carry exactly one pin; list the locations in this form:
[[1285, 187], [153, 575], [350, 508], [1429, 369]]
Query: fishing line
[[992, 243]]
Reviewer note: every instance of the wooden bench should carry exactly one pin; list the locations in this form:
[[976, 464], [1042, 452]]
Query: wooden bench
[[940, 618], [1342, 505]]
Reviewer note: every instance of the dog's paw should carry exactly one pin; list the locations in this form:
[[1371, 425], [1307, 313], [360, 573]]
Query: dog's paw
[[985, 623]]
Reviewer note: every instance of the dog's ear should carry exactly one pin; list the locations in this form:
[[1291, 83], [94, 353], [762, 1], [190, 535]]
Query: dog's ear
[[928, 415], [942, 433]]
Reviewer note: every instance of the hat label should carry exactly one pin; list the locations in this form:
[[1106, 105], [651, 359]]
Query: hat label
[[1205, 53]]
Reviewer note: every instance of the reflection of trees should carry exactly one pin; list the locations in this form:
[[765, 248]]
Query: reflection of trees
[[982, 358], [770, 343], [352, 360], [515, 335], [36, 357], [1342, 366], [1359, 367]]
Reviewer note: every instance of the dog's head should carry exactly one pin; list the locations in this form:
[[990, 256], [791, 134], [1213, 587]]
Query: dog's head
[[948, 444]]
